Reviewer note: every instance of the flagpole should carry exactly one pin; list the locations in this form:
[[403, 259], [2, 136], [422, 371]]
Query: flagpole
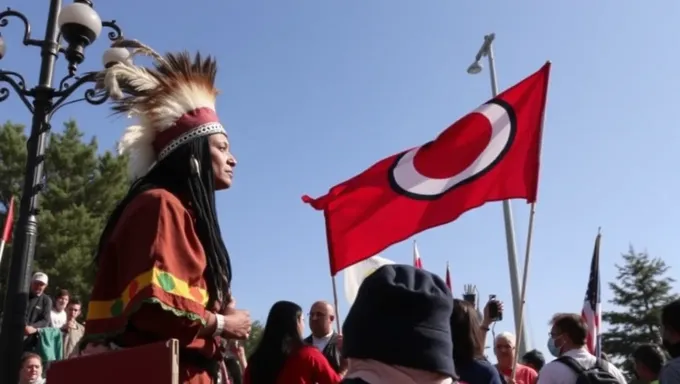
[[335, 304], [520, 325], [598, 310], [487, 50]]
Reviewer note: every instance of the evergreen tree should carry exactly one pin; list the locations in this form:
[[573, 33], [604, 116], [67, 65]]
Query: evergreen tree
[[256, 331], [82, 188], [640, 290]]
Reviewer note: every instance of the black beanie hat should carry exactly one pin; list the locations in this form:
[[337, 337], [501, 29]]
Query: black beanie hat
[[402, 316]]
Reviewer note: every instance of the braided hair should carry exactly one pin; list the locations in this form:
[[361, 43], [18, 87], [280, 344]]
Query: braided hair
[[187, 172]]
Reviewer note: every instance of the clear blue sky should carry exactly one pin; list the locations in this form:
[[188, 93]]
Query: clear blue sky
[[316, 91]]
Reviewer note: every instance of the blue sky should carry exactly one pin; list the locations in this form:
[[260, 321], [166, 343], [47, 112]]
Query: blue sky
[[313, 92]]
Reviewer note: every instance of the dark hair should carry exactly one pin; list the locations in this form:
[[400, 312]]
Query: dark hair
[[534, 358], [572, 325], [61, 293], [174, 174], [30, 355], [75, 301], [466, 333], [670, 316], [280, 339], [651, 356]]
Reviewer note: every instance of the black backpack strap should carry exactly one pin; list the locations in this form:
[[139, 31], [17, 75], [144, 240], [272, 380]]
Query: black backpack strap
[[572, 364]]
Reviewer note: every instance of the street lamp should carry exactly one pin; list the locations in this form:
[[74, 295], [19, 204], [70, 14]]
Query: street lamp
[[78, 25], [486, 50]]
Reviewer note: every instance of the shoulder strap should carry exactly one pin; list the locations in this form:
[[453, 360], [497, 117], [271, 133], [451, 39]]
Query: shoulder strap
[[572, 364]]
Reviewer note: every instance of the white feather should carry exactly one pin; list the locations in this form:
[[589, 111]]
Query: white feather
[[137, 143], [138, 77], [185, 98]]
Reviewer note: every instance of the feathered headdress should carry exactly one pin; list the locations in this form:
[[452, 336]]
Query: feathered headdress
[[174, 102]]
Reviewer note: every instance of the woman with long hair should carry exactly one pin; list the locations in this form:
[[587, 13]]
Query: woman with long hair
[[468, 346], [163, 271], [282, 357]]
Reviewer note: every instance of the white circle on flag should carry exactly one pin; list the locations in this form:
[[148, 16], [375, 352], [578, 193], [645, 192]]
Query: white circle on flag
[[407, 180]]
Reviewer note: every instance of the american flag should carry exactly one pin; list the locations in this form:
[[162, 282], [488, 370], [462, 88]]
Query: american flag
[[416, 256], [592, 312]]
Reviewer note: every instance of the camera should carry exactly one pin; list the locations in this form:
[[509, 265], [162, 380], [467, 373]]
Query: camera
[[495, 312]]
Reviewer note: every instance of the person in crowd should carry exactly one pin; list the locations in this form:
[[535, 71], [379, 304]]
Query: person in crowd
[[31, 369], [38, 312], [323, 338], [670, 332], [648, 360], [505, 349], [235, 361], [534, 359], [163, 271], [399, 329], [282, 357], [468, 352], [58, 314], [72, 330], [567, 343]]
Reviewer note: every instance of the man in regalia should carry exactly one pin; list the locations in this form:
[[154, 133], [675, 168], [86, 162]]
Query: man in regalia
[[163, 271]]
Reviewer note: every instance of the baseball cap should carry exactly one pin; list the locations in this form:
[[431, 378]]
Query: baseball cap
[[41, 277]]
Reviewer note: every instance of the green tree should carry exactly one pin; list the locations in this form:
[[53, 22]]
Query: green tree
[[256, 331], [82, 187], [641, 288]]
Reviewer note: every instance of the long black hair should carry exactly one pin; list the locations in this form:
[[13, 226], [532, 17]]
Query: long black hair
[[280, 338], [466, 333], [176, 174]]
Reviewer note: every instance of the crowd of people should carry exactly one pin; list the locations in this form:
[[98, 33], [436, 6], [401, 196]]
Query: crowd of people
[[164, 272]]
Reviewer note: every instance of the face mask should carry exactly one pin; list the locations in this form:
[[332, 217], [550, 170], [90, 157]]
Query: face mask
[[552, 348]]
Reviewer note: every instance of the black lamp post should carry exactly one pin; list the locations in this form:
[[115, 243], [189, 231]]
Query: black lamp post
[[68, 32]]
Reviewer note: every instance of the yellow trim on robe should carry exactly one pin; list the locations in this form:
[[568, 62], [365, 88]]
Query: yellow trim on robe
[[98, 310]]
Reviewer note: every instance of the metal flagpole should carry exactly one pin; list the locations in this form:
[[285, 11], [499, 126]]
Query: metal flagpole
[[475, 68]]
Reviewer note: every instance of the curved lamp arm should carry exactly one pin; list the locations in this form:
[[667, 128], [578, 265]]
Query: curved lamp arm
[[27, 40]]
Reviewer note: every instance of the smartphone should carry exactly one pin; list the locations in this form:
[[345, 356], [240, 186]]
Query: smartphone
[[495, 312]]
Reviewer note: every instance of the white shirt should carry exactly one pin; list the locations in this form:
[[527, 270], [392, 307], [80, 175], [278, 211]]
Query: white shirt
[[557, 372], [57, 319], [320, 343]]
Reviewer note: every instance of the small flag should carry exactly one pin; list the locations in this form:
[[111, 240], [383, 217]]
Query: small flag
[[9, 221], [355, 275], [448, 277], [592, 313], [416, 256]]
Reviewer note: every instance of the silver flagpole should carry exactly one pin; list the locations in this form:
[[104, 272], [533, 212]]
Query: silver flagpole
[[475, 68]]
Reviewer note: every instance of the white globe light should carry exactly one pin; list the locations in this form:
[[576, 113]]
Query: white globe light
[[82, 15], [115, 55]]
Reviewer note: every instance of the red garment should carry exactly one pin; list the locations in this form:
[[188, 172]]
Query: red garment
[[150, 286], [305, 366], [491, 154], [524, 374]]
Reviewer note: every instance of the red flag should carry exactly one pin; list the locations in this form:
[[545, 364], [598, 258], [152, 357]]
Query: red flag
[[591, 312], [416, 256], [9, 220], [448, 277], [488, 155]]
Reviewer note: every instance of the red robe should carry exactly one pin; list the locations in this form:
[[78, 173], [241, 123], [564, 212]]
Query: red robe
[[150, 285]]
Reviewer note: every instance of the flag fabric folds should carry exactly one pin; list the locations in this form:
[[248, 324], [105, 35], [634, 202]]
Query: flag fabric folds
[[490, 154], [356, 274], [592, 313]]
